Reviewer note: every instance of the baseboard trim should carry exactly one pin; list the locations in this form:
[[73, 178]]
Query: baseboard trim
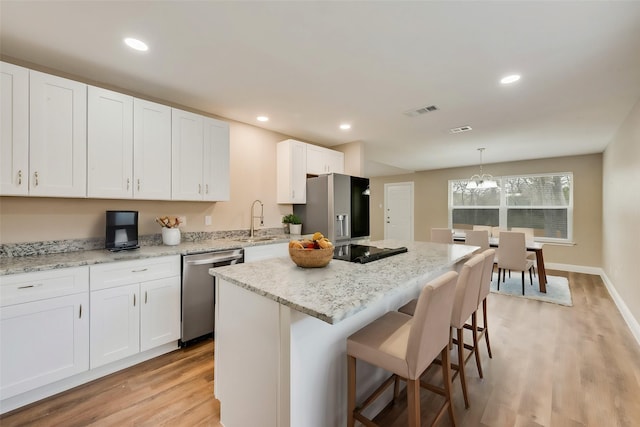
[[573, 268], [631, 321]]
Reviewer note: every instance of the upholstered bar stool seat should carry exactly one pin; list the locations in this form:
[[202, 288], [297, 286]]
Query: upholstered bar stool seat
[[405, 346]]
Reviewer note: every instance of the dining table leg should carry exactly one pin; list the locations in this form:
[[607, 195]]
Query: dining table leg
[[542, 274]]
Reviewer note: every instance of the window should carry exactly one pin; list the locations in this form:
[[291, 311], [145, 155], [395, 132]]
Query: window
[[542, 202]]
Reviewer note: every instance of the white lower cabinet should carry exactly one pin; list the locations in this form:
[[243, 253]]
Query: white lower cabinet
[[159, 312], [115, 324], [44, 328], [135, 306]]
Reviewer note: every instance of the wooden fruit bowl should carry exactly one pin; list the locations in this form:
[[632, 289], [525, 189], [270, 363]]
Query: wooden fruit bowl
[[311, 258]]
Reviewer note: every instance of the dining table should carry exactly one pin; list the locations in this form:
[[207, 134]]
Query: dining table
[[531, 245]]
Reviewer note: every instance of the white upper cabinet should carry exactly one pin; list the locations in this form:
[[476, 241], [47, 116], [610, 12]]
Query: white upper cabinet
[[296, 160], [57, 136], [200, 157], [216, 160], [321, 161], [187, 154], [62, 138], [14, 130], [109, 144], [129, 147], [151, 150], [291, 171]]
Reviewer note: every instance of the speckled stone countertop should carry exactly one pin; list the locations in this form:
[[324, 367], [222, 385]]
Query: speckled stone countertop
[[25, 264], [342, 288]]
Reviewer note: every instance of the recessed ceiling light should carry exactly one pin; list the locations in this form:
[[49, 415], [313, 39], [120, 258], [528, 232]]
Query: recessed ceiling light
[[262, 118], [510, 79], [345, 126], [136, 44]]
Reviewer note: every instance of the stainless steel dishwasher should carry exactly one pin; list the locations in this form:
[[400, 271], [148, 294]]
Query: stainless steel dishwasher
[[198, 292]]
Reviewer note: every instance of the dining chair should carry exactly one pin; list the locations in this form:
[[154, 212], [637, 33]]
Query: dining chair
[[483, 227], [528, 232], [442, 235], [477, 238], [495, 231], [512, 255], [465, 305], [529, 236], [406, 346]]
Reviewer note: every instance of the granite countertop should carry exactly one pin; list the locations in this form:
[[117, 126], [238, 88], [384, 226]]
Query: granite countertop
[[26, 264], [342, 288]]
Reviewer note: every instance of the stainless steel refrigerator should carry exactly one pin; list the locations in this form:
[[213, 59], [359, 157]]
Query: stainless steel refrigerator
[[337, 206]]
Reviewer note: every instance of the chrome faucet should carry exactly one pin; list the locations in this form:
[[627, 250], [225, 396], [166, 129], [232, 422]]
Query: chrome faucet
[[253, 217]]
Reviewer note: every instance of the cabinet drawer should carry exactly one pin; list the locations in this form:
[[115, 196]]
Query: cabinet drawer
[[27, 287], [128, 272]]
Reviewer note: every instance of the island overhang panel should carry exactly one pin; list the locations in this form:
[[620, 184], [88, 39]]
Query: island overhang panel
[[280, 339]]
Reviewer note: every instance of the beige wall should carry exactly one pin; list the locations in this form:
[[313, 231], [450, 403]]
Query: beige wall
[[431, 210], [621, 212], [353, 157], [253, 176]]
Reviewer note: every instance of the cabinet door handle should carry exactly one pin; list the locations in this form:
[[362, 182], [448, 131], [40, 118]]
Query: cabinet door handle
[[293, 194], [20, 177], [145, 297], [139, 271], [206, 188], [30, 286], [35, 176], [80, 312], [134, 300], [138, 184], [199, 188], [128, 183]]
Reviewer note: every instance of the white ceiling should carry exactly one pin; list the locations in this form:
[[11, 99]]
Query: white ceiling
[[311, 65]]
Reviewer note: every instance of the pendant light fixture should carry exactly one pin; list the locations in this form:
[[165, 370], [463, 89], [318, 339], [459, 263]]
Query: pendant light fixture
[[482, 180]]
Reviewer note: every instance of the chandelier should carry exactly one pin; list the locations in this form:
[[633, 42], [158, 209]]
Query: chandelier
[[482, 180]]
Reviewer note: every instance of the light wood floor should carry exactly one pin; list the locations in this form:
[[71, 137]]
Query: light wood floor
[[551, 366]]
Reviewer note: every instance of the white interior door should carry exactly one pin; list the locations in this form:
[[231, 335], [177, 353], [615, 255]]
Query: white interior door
[[398, 211]]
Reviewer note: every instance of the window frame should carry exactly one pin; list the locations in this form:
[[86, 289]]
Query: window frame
[[503, 208]]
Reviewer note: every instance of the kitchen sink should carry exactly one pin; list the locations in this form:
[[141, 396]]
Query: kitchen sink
[[258, 239]]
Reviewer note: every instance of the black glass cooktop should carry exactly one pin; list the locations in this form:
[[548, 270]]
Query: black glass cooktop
[[363, 253]]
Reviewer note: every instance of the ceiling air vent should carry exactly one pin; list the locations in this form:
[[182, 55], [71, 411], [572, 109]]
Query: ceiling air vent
[[421, 110], [460, 129]]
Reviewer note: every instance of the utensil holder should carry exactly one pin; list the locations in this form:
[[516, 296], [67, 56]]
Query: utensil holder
[[171, 236]]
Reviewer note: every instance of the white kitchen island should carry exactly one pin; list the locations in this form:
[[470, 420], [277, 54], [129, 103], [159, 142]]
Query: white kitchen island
[[280, 333]]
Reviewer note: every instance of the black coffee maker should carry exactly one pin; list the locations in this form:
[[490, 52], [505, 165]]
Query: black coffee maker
[[121, 230]]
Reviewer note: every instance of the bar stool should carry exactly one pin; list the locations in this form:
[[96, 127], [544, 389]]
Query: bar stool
[[465, 305], [485, 289], [406, 346]]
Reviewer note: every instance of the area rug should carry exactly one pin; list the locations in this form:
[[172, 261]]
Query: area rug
[[558, 291]]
